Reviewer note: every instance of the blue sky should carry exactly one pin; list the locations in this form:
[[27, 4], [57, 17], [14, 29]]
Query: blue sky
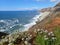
[[6, 5]]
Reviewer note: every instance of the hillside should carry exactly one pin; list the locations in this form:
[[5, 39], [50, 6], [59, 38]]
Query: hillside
[[45, 32], [54, 12]]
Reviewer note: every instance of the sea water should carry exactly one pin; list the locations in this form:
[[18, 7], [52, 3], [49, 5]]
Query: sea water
[[11, 21]]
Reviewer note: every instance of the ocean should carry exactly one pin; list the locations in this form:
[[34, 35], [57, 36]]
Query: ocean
[[11, 21]]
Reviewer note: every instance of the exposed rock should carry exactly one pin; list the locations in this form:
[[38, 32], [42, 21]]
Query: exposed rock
[[40, 28], [2, 34], [58, 5], [46, 9]]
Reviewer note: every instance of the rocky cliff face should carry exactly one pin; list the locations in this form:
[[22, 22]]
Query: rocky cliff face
[[53, 19], [54, 12], [55, 8], [46, 9], [58, 5]]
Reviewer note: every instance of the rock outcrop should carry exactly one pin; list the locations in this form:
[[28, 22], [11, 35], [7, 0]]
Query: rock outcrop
[[54, 12], [2, 34], [46, 9]]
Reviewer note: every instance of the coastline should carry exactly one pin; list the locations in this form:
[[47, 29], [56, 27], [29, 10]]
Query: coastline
[[35, 20], [39, 22], [32, 22], [41, 31]]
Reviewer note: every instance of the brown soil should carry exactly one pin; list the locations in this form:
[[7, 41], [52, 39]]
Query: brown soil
[[45, 25], [54, 22]]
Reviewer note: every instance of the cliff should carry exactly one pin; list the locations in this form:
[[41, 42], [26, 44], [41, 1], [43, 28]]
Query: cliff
[[54, 12], [43, 33], [46, 9]]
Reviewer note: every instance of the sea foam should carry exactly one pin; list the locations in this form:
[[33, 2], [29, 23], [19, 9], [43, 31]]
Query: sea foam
[[11, 24], [32, 22], [39, 17]]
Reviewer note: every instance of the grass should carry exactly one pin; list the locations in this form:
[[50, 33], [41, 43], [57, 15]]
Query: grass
[[39, 40], [57, 33]]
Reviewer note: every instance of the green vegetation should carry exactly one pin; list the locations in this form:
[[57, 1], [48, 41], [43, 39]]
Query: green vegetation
[[49, 21], [45, 39], [39, 40], [57, 33]]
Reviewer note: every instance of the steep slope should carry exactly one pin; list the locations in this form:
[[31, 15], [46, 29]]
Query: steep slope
[[57, 5], [43, 32], [54, 12]]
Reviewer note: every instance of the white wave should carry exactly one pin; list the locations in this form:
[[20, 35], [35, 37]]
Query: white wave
[[27, 26], [11, 23], [2, 21], [39, 17], [2, 30], [32, 22], [8, 24]]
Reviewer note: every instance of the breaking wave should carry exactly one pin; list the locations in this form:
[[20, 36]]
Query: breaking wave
[[9, 25], [12, 25], [32, 22]]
